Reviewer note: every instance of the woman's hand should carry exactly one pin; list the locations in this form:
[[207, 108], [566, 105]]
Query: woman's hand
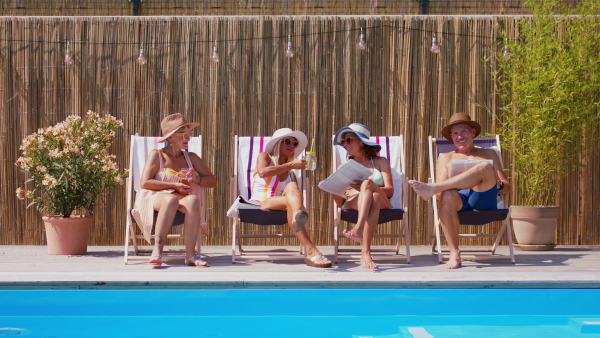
[[182, 188], [356, 185], [298, 164]]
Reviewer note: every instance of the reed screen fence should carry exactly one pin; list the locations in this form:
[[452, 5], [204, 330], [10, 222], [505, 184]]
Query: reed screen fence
[[396, 86]]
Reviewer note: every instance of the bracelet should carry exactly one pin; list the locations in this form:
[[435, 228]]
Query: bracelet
[[501, 185]]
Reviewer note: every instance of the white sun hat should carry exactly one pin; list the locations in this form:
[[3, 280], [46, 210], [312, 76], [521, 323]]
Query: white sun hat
[[287, 132]]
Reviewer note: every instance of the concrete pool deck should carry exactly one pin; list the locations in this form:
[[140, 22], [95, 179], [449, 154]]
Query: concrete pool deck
[[25, 267]]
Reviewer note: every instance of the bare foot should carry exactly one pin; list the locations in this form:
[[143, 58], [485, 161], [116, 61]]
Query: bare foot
[[424, 190], [367, 262], [195, 261], [155, 260], [352, 236], [454, 262]]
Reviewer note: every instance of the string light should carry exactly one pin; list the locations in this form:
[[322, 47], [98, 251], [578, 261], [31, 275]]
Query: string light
[[434, 46], [361, 40], [68, 58], [506, 53], [289, 52], [215, 55], [141, 59]]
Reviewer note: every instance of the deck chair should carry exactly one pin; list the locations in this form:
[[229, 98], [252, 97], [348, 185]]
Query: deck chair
[[392, 148], [439, 146], [246, 153], [140, 148]]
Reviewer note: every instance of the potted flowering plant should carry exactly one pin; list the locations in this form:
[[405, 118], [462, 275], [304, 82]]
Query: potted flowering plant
[[69, 166]]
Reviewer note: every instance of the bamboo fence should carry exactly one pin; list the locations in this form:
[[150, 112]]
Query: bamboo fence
[[264, 7], [396, 86]]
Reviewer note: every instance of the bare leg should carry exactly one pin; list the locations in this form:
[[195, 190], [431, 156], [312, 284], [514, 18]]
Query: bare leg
[[450, 203], [479, 178], [190, 205], [292, 202], [166, 205]]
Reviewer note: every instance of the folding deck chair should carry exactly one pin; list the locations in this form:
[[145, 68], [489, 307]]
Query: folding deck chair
[[246, 153], [392, 148], [439, 146], [140, 148]]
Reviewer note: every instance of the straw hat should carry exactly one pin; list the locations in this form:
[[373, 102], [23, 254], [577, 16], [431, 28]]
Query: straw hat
[[287, 132], [460, 118], [172, 123], [360, 130]]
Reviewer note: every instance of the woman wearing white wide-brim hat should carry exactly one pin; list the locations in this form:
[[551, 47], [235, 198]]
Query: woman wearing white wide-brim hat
[[163, 189], [369, 196], [274, 186]]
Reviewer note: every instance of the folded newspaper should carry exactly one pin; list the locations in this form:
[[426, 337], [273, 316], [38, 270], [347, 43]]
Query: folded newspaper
[[341, 179], [240, 203], [460, 166]]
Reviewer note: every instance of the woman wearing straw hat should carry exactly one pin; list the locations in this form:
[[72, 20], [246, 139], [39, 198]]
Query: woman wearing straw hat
[[274, 186], [171, 181], [369, 196]]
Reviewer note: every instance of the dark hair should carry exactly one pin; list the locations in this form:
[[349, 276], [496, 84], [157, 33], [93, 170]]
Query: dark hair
[[370, 151]]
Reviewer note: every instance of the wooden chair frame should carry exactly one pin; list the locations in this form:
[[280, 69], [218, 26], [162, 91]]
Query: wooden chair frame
[[240, 186]]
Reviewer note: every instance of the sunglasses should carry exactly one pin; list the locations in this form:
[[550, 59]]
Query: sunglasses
[[347, 140], [189, 134], [287, 142]]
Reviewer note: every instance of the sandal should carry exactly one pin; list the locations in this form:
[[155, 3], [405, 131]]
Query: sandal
[[313, 261], [192, 261], [155, 260]]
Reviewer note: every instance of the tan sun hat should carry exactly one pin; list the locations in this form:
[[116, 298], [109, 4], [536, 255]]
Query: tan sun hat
[[460, 118], [172, 123]]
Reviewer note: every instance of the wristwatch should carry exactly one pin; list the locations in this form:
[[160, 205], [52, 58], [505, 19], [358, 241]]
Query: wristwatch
[[500, 185]]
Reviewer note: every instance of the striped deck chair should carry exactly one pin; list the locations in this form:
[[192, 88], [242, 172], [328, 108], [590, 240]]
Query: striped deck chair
[[246, 154], [438, 146], [392, 148], [140, 148]]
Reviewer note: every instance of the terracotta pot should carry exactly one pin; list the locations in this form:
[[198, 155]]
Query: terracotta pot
[[535, 225], [67, 236]]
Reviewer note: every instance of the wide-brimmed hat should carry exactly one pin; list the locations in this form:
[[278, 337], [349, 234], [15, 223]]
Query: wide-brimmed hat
[[287, 132], [172, 123], [361, 131], [460, 118]]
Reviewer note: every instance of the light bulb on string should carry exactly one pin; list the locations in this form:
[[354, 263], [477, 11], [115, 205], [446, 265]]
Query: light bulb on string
[[434, 46], [215, 55], [68, 57], [506, 53], [289, 52], [141, 58], [361, 41]]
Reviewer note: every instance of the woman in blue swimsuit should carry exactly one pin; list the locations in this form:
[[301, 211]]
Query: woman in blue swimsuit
[[369, 196]]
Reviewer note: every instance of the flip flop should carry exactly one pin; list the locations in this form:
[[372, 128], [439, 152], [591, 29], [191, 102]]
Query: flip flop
[[352, 236], [157, 260], [312, 262], [300, 220]]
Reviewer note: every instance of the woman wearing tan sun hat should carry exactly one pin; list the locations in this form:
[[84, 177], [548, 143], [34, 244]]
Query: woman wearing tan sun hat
[[172, 180]]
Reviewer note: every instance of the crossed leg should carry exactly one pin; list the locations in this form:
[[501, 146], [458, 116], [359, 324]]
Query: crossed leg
[[479, 178], [369, 202], [292, 202]]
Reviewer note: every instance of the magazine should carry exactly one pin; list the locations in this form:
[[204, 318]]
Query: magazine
[[341, 179]]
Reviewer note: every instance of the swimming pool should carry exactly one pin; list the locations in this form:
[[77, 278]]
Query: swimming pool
[[282, 313]]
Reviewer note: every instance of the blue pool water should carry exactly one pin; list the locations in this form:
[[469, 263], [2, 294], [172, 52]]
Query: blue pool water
[[282, 313]]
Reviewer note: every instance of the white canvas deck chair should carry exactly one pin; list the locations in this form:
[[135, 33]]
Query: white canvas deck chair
[[140, 148], [392, 148], [246, 154], [439, 146]]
